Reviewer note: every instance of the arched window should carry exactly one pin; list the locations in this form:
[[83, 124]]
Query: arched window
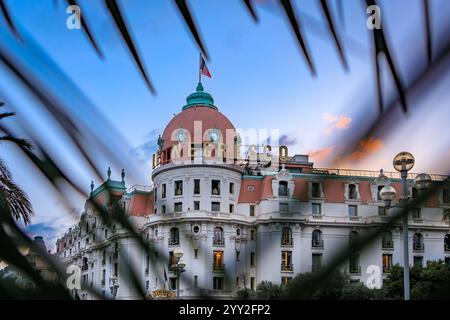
[[386, 238], [418, 242], [447, 242], [317, 241], [286, 237], [353, 237], [174, 236], [218, 239]]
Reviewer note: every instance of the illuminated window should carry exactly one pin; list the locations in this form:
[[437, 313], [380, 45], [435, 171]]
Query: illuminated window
[[218, 260], [286, 236], [286, 261], [387, 263]]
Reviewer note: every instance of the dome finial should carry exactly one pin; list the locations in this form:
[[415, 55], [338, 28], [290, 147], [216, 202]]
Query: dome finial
[[109, 173], [199, 87]]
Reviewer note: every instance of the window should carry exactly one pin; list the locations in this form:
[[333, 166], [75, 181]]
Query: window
[[352, 194], [156, 194], [195, 281], [382, 211], [251, 188], [196, 186], [378, 193], [231, 188], [116, 269], [178, 206], [252, 259], [418, 261], [316, 209], [231, 208], [252, 283], [195, 253], [387, 263], [238, 255], [414, 193], [163, 191], [416, 214], [447, 243], [315, 192], [446, 195], [178, 188], [284, 207], [196, 229], [418, 242], [317, 241], [252, 234], [237, 281], [286, 236], [196, 205], [387, 242], [215, 187], [353, 238], [352, 211], [174, 237], [286, 261], [282, 189], [218, 261], [238, 232], [173, 283], [103, 257], [316, 261], [218, 238], [215, 206], [163, 208], [354, 264], [103, 277], [218, 283], [252, 210], [285, 280]]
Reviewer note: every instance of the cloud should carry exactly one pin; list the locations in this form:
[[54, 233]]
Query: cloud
[[339, 122], [320, 154], [46, 230], [288, 141], [144, 151], [365, 148]]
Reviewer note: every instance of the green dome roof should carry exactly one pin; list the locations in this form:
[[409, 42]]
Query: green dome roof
[[199, 98]]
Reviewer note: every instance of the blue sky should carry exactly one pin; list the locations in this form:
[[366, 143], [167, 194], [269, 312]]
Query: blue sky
[[260, 80]]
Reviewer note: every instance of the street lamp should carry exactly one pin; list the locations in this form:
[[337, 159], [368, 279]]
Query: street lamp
[[114, 286], [179, 267], [403, 162]]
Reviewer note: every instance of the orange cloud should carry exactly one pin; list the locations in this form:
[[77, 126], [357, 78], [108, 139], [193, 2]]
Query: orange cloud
[[336, 122], [365, 148], [320, 154]]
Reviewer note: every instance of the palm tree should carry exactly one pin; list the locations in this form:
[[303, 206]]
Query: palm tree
[[12, 199]]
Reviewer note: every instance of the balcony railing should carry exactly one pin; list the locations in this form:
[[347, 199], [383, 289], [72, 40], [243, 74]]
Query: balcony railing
[[387, 269], [388, 245], [355, 270], [287, 242], [174, 242], [218, 267], [219, 241], [317, 244], [418, 247], [287, 267], [84, 267]]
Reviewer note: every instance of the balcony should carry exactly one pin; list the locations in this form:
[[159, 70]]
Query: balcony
[[387, 269], [287, 242], [418, 247], [287, 267], [218, 267], [387, 245], [317, 244], [219, 242], [355, 270], [84, 267], [174, 242]]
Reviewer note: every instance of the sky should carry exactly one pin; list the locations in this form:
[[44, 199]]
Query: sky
[[259, 80]]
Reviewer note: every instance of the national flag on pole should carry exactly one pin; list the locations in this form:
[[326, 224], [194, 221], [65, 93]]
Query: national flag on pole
[[203, 68]]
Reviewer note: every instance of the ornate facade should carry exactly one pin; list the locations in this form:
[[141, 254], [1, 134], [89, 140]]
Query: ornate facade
[[240, 221]]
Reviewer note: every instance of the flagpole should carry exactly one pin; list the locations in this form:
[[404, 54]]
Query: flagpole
[[200, 68]]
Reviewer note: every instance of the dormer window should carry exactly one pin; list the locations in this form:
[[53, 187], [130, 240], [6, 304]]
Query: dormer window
[[315, 191], [352, 194], [283, 189], [378, 193]]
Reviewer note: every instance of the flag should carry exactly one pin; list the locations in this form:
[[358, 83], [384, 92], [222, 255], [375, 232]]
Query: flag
[[203, 68]]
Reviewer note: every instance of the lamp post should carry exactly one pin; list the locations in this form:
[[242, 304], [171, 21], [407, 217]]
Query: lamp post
[[179, 266], [403, 162], [114, 286]]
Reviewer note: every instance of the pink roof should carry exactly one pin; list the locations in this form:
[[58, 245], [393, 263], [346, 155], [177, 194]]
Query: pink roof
[[262, 190]]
